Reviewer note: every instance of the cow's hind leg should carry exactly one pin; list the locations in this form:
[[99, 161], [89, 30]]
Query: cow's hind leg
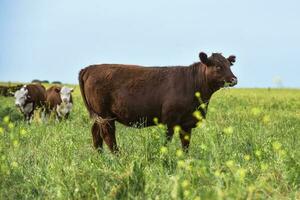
[[97, 139], [185, 137], [108, 134]]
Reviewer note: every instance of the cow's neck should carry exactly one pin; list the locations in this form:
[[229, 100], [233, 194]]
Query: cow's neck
[[201, 82]]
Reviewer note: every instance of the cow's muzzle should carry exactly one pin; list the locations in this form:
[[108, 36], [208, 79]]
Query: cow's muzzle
[[233, 81]]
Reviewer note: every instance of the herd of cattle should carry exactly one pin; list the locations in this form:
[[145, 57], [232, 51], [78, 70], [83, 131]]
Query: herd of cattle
[[55, 99], [9, 90], [132, 94]]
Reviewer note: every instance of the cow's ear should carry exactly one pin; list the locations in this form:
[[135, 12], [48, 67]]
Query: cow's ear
[[72, 89], [57, 90], [204, 59], [231, 59]]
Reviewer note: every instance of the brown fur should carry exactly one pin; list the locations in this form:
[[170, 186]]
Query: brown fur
[[54, 99], [37, 96], [130, 94], [37, 93]]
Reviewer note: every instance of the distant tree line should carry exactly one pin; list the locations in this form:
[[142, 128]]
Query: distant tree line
[[45, 81]]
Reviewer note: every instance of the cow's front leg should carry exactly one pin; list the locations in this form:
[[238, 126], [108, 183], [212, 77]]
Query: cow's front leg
[[57, 118], [185, 137], [26, 117], [169, 134], [29, 117], [43, 115], [28, 110]]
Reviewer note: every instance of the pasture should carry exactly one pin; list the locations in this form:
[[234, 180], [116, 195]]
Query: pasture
[[248, 148]]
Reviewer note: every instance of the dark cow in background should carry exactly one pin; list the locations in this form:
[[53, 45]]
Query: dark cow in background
[[129, 93], [59, 100], [30, 97], [9, 90]]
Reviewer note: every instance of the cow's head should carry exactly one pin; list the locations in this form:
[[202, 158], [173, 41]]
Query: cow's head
[[21, 96], [218, 72], [65, 93]]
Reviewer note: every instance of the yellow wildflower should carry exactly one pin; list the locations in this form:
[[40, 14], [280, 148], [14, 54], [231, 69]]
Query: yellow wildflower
[[247, 157], [155, 120], [16, 143], [264, 166], [228, 130], [161, 126], [197, 114], [241, 173], [11, 125], [186, 137], [217, 173], [198, 95], [179, 153], [180, 163], [186, 193], [163, 150], [185, 183], [14, 164], [255, 111], [258, 153], [177, 129], [266, 119], [276, 145], [230, 163], [6, 119], [23, 132]]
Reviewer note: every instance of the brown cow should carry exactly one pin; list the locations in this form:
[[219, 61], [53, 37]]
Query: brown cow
[[30, 97], [59, 100], [129, 93]]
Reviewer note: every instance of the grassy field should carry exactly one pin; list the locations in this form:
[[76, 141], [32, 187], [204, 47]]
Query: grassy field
[[248, 148]]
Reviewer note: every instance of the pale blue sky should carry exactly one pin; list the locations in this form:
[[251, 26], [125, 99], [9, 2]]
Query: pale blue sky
[[54, 39]]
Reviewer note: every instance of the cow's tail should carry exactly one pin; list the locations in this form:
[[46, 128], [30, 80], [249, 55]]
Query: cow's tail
[[94, 115], [81, 85]]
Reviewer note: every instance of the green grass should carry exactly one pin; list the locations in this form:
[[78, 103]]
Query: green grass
[[248, 148]]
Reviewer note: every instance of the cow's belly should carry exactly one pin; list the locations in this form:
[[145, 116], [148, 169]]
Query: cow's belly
[[136, 113]]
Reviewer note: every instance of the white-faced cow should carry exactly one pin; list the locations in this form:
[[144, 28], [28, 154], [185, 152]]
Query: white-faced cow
[[30, 97], [129, 93], [59, 100]]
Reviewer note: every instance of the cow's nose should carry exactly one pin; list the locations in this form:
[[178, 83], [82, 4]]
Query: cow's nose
[[17, 104], [65, 100], [233, 81]]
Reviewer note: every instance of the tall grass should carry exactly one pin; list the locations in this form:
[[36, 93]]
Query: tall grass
[[248, 148]]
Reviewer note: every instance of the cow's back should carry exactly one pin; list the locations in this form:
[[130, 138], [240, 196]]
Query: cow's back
[[53, 97], [37, 93], [129, 93]]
